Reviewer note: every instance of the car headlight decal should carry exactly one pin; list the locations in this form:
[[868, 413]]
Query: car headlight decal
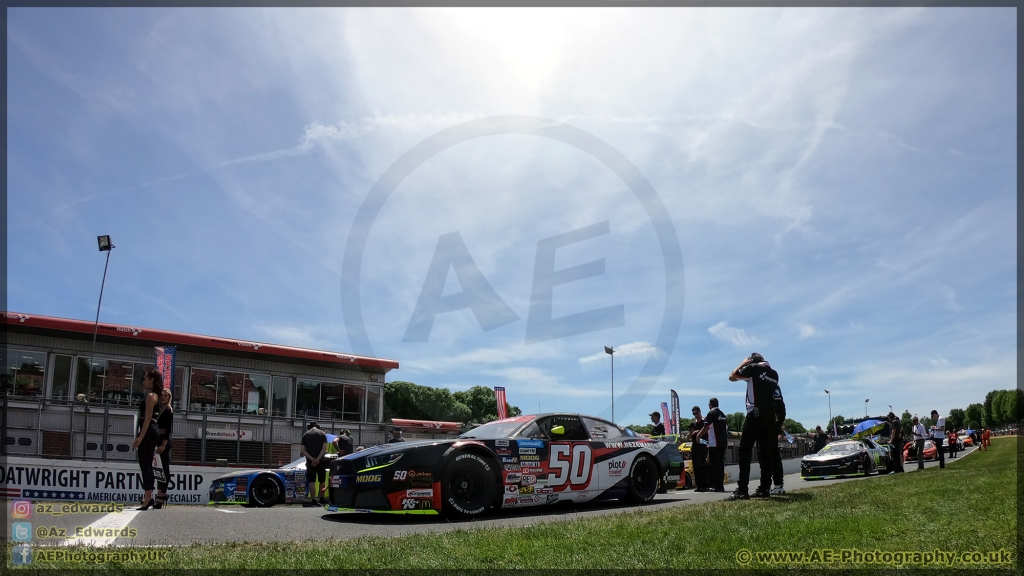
[[375, 462]]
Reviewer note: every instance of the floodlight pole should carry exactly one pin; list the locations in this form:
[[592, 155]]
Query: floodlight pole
[[829, 408], [105, 246], [611, 352]]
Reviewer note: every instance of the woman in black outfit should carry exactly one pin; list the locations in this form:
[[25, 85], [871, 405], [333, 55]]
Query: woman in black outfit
[[148, 436], [164, 424]]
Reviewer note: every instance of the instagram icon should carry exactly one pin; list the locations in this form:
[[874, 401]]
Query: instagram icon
[[21, 509]]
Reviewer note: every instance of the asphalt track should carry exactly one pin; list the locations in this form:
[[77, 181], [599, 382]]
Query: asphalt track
[[179, 525]]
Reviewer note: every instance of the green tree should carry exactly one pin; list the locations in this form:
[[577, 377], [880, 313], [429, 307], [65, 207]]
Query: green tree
[[735, 421], [641, 428], [907, 424], [973, 415], [1012, 403], [956, 419], [838, 421], [987, 418], [794, 427], [997, 407]]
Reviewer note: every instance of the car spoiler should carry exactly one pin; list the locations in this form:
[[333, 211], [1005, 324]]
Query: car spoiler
[[427, 425]]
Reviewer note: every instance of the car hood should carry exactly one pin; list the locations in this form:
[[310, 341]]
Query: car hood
[[828, 456], [240, 473]]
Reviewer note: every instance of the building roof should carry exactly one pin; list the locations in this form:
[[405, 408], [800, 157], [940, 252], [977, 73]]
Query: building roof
[[134, 335]]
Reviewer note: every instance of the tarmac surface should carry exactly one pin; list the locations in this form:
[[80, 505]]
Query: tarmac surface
[[180, 525]]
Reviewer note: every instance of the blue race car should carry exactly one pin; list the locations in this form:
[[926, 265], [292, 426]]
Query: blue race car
[[264, 488]]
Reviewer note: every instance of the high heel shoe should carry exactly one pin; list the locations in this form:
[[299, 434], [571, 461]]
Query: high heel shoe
[[147, 505], [161, 499]]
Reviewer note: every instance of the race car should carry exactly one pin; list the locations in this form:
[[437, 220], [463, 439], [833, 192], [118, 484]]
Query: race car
[[511, 463], [910, 451], [687, 481], [264, 487], [844, 458]]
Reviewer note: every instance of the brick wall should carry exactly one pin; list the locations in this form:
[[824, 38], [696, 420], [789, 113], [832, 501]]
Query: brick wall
[[56, 443], [178, 451], [281, 453]]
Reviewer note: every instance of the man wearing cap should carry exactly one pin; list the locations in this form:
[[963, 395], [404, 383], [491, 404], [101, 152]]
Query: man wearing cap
[[396, 435], [314, 441], [759, 424], [716, 428], [659, 428]]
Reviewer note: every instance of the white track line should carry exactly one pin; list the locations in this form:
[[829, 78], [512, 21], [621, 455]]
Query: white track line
[[112, 523]]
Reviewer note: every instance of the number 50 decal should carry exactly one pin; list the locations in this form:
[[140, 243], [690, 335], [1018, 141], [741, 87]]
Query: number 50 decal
[[570, 463]]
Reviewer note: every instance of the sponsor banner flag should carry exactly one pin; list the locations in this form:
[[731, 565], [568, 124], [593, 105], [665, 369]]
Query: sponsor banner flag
[[499, 397], [165, 356], [664, 418], [675, 413]]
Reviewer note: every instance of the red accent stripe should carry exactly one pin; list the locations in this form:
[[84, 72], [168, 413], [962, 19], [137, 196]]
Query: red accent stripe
[[427, 424], [499, 396], [207, 342]]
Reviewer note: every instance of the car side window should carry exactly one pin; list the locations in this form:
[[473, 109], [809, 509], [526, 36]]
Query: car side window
[[531, 431], [572, 428], [601, 430]]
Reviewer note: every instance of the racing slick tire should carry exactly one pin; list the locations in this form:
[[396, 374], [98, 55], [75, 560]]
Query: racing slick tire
[[264, 492], [467, 486], [642, 484]]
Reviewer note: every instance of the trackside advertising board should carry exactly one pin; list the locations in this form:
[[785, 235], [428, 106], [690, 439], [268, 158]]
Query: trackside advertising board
[[117, 482]]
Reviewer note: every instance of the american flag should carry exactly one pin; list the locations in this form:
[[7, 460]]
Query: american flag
[[499, 395]]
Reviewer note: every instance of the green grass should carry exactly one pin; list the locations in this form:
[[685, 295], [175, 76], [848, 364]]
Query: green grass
[[972, 504]]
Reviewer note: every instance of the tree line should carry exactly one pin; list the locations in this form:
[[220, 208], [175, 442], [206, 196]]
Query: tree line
[[415, 402], [1000, 408]]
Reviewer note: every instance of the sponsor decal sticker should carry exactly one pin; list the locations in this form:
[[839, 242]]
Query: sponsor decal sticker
[[526, 500], [513, 478], [508, 460], [501, 442], [631, 444], [530, 443], [415, 504], [552, 498], [615, 467], [529, 457], [368, 479], [503, 452], [526, 490], [511, 501], [421, 493], [527, 450], [544, 490], [529, 480], [511, 467], [512, 489]]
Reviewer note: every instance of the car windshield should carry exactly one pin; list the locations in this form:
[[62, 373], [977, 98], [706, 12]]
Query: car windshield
[[296, 464], [498, 429], [842, 447]]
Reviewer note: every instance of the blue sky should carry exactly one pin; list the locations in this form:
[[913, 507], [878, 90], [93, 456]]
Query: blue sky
[[841, 184]]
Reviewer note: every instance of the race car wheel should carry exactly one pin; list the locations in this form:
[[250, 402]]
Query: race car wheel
[[688, 483], [869, 466], [642, 484], [467, 485], [264, 492]]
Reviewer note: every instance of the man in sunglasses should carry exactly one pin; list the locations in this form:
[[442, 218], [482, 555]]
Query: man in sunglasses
[[699, 451]]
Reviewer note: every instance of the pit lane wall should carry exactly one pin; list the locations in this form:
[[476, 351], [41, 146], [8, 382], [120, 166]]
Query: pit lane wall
[[91, 481]]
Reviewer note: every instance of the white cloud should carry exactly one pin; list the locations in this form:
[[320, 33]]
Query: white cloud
[[642, 349], [735, 336], [806, 330]]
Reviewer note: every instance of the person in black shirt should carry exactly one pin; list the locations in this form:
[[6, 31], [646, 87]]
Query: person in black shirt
[[314, 441], [659, 428], [699, 451], [165, 425], [343, 443], [716, 429], [895, 443], [396, 435], [758, 425], [820, 439], [147, 436]]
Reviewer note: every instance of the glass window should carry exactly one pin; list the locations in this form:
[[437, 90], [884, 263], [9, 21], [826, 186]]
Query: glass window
[[61, 377], [118, 381], [572, 428], [230, 391], [373, 403], [280, 395], [7, 384], [332, 398], [257, 391], [602, 430], [202, 391], [90, 382], [307, 398], [30, 378], [355, 402]]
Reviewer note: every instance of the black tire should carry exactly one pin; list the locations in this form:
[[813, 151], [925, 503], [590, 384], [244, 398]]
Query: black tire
[[642, 484], [264, 492], [467, 486], [688, 481], [869, 466]]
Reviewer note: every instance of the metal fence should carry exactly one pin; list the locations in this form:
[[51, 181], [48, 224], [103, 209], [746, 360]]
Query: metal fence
[[91, 431]]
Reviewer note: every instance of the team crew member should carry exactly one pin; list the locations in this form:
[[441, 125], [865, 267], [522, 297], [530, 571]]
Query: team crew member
[[920, 435], [896, 443], [396, 435], [659, 428], [952, 444], [759, 424], [699, 450], [820, 439], [715, 426], [986, 439], [164, 425], [773, 448], [314, 441], [938, 435], [343, 443], [148, 436]]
